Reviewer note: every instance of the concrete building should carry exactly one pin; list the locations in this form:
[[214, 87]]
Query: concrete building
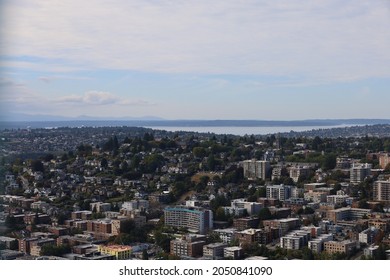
[[139, 204], [120, 252], [256, 169], [25, 244], [317, 244], [246, 222], [234, 252], [8, 242], [337, 199], [280, 192], [298, 171], [367, 236], [371, 251], [359, 172], [346, 246], [214, 250], [83, 215], [284, 225], [195, 219], [36, 246], [347, 214], [248, 236], [100, 207], [189, 245], [226, 234], [295, 240], [381, 191], [240, 207]]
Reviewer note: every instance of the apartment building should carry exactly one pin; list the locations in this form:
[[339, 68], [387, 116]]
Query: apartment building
[[381, 191], [189, 245], [346, 246], [256, 169], [359, 172], [195, 219], [214, 250]]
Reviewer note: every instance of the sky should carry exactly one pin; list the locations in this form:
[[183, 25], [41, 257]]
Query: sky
[[220, 59]]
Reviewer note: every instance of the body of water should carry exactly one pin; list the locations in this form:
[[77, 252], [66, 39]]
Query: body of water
[[242, 130]]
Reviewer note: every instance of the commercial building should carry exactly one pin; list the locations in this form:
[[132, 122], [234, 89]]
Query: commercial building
[[195, 219], [256, 169]]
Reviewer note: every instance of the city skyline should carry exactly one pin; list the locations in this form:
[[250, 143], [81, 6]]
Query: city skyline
[[195, 59]]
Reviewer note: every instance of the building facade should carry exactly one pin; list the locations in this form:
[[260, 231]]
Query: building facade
[[381, 191], [256, 169], [195, 219]]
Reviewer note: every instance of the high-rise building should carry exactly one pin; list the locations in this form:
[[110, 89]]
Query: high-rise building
[[195, 219], [359, 172], [281, 192], [382, 190], [256, 169]]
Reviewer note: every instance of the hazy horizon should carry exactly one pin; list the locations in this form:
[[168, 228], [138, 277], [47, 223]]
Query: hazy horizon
[[195, 60]]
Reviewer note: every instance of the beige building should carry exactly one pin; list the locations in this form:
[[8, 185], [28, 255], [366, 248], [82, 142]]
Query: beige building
[[346, 246], [382, 191]]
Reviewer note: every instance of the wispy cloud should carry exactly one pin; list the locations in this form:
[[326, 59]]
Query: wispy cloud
[[101, 98], [49, 79], [327, 40]]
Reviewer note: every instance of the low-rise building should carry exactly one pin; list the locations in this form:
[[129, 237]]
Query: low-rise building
[[317, 244], [284, 225], [234, 252], [121, 252], [295, 240], [189, 245], [346, 246], [226, 234], [246, 222], [214, 250]]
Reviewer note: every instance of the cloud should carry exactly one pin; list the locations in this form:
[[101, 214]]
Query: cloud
[[101, 98], [49, 79], [324, 41], [9, 83]]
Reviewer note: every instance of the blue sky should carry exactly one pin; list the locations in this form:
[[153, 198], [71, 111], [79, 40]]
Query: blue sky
[[282, 60]]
